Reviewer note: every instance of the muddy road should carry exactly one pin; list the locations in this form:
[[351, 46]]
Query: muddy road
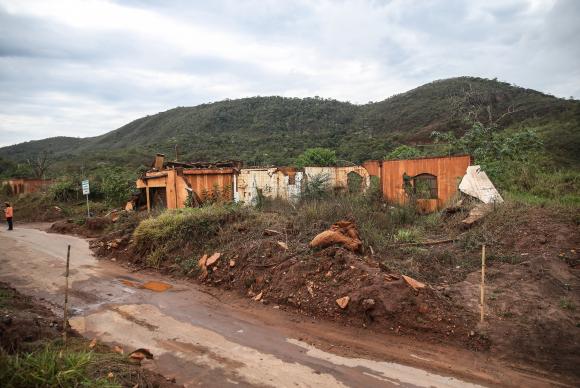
[[204, 337]]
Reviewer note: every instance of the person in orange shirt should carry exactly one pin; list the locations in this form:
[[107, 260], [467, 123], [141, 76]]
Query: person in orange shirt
[[9, 213]]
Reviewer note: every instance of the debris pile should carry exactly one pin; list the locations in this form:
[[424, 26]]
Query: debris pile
[[341, 233]]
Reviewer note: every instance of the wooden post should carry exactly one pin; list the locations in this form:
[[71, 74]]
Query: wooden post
[[65, 318], [482, 286], [148, 199]]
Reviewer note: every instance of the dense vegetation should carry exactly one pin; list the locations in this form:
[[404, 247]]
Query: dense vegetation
[[275, 130], [526, 140]]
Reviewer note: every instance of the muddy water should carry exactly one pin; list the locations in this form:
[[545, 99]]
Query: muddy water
[[194, 336]]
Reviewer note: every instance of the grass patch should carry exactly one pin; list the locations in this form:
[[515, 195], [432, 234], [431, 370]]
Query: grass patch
[[407, 235], [376, 222], [54, 366], [567, 304], [189, 228]]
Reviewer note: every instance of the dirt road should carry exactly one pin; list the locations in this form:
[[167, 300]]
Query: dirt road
[[205, 338]]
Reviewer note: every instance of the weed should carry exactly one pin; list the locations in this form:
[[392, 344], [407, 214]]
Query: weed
[[5, 296], [51, 367], [407, 235], [567, 304], [157, 237]]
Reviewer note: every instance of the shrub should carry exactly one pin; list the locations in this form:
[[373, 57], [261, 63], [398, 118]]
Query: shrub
[[316, 187], [157, 237], [64, 190], [116, 185], [317, 157], [404, 152]]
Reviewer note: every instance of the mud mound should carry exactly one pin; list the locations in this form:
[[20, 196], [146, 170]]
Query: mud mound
[[312, 284], [533, 298], [23, 324], [92, 227]]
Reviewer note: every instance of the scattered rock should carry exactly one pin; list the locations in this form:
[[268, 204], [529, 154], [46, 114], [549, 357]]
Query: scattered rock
[[232, 263], [368, 304], [283, 245], [414, 284], [93, 343], [212, 259], [476, 214], [141, 354], [343, 302], [391, 277], [118, 349], [271, 232], [310, 288], [258, 297]]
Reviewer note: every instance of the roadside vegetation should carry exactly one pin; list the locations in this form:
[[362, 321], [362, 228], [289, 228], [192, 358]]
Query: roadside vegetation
[[33, 354]]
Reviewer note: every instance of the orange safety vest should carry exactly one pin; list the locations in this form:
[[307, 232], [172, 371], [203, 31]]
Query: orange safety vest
[[9, 212]]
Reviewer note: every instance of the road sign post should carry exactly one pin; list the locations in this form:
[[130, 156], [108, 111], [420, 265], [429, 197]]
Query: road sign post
[[86, 191]]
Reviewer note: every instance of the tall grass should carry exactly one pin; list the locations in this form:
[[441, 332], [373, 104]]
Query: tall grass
[[52, 367], [376, 221], [158, 237]]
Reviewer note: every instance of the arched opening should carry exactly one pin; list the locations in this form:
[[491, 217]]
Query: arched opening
[[354, 182], [425, 186]]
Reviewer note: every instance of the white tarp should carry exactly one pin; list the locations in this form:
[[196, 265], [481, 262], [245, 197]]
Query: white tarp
[[477, 184]]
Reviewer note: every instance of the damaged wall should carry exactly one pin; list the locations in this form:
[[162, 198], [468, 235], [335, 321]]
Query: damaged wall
[[443, 172], [276, 182], [20, 186], [338, 177], [432, 181], [171, 186]]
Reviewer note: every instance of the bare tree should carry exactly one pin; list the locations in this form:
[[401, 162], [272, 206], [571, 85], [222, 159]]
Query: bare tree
[[479, 107], [41, 163]]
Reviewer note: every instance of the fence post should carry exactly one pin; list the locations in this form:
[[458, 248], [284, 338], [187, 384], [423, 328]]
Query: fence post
[[65, 315], [482, 286]]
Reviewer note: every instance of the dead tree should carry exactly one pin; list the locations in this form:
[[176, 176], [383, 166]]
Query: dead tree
[[41, 163], [479, 107]]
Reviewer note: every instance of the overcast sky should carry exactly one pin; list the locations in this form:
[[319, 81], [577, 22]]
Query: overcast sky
[[83, 68]]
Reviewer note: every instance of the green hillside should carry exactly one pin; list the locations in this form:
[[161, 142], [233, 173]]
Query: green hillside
[[274, 130]]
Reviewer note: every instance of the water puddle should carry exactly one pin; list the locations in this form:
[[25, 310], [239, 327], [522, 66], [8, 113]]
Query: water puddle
[[150, 285]]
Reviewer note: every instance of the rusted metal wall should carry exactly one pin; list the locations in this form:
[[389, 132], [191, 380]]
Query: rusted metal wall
[[26, 186], [276, 182], [209, 183], [448, 170], [373, 167], [338, 176], [203, 183]]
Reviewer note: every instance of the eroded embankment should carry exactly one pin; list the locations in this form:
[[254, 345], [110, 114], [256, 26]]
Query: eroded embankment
[[531, 289]]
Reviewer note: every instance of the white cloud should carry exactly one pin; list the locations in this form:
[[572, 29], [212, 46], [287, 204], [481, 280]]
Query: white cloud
[[82, 68]]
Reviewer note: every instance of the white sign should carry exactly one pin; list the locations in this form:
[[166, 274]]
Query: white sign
[[85, 185]]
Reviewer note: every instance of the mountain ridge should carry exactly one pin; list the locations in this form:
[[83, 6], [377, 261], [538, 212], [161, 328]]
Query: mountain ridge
[[274, 129]]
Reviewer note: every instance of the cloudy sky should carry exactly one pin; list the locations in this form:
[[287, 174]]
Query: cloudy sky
[[82, 68]]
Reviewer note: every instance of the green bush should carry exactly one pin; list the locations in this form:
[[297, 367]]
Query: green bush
[[64, 190], [157, 237], [404, 152], [316, 187], [116, 185], [317, 157]]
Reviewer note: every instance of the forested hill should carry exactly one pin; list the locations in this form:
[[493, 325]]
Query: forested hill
[[274, 130]]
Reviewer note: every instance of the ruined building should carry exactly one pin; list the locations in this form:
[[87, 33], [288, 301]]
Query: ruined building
[[430, 182]]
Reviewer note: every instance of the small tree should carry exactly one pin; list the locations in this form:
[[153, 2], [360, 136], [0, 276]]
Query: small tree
[[41, 163], [317, 157], [404, 152]]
